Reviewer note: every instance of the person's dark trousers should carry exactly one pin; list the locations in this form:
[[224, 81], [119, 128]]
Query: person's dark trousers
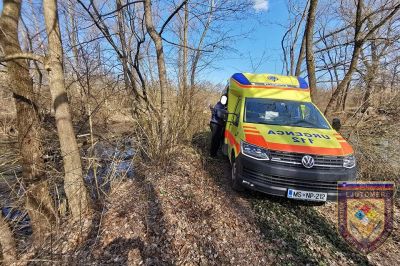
[[216, 137]]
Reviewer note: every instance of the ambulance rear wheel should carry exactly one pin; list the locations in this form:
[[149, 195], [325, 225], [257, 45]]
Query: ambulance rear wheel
[[235, 182]]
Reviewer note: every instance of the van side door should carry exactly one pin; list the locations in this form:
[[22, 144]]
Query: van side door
[[233, 124]]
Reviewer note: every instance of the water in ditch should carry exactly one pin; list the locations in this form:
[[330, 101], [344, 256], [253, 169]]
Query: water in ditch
[[105, 162]]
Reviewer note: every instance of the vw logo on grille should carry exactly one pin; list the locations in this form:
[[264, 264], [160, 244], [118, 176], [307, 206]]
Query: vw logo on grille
[[307, 161]]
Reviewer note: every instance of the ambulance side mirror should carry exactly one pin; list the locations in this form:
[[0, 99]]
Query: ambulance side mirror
[[336, 124]]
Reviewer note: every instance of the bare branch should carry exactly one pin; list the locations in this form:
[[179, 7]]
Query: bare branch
[[171, 16], [29, 56], [120, 8], [184, 46], [383, 21]]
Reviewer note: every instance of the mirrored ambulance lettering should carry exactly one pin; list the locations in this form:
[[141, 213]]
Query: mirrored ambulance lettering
[[298, 134]]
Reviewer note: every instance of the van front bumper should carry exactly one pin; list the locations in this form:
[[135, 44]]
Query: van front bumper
[[276, 178]]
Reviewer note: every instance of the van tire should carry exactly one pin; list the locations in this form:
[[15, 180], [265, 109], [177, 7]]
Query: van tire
[[235, 182]]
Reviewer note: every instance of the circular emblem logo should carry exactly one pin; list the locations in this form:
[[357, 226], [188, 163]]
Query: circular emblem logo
[[273, 78], [307, 161]]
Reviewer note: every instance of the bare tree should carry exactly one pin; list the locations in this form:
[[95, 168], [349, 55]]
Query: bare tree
[[377, 46], [185, 55], [38, 201], [361, 35], [309, 35], [73, 180], [289, 43], [127, 37], [162, 72]]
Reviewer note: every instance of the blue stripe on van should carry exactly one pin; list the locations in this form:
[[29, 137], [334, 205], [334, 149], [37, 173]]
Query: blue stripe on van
[[239, 77], [303, 83]]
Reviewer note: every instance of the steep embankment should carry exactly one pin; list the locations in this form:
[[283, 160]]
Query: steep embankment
[[182, 216], [188, 214]]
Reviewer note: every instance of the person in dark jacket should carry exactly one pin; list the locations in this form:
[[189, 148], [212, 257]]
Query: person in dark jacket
[[217, 125]]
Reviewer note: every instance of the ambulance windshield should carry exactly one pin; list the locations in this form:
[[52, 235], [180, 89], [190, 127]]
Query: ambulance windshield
[[284, 113]]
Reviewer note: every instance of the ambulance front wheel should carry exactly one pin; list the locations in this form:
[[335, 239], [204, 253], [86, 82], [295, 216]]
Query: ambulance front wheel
[[235, 180]]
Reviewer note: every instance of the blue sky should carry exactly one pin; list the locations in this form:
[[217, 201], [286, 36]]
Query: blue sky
[[262, 45]]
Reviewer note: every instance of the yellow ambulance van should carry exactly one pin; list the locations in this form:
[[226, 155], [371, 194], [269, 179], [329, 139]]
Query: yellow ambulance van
[[279, 142]]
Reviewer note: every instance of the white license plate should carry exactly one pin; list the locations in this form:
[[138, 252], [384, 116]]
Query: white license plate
[[306, 195]]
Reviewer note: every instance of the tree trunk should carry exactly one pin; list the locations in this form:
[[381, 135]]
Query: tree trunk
[[198, 52], [162, 73], [129, 78], [332, 104], [72, 31], [366, 101], [358, 42], [185, 100], [294, 45], [346, 93], [372, 70], [301, 56], [155, 36], [309, 47], [28, 124], [195, 62], [73, 182]]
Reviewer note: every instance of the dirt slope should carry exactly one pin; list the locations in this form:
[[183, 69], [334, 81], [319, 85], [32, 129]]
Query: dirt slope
[[189, 215], [183, 218]]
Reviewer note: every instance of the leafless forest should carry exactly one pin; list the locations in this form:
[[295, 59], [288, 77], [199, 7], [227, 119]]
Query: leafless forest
[[104, 121]]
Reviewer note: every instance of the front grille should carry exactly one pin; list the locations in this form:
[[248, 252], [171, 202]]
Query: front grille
[[294, 159], [278, 181]]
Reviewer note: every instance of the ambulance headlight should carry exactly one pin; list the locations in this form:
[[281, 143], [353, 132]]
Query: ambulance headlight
[[349, 161], [254, 151]]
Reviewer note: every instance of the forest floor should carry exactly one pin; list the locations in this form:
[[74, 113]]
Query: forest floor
[[189, 215]]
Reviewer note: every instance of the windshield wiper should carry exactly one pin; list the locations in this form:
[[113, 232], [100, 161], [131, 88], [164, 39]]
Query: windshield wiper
[[305, 121], [265, 123]]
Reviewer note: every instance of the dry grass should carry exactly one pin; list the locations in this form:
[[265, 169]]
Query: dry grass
[[375, 138], [178, 126], [374, 134], [186, 212]]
